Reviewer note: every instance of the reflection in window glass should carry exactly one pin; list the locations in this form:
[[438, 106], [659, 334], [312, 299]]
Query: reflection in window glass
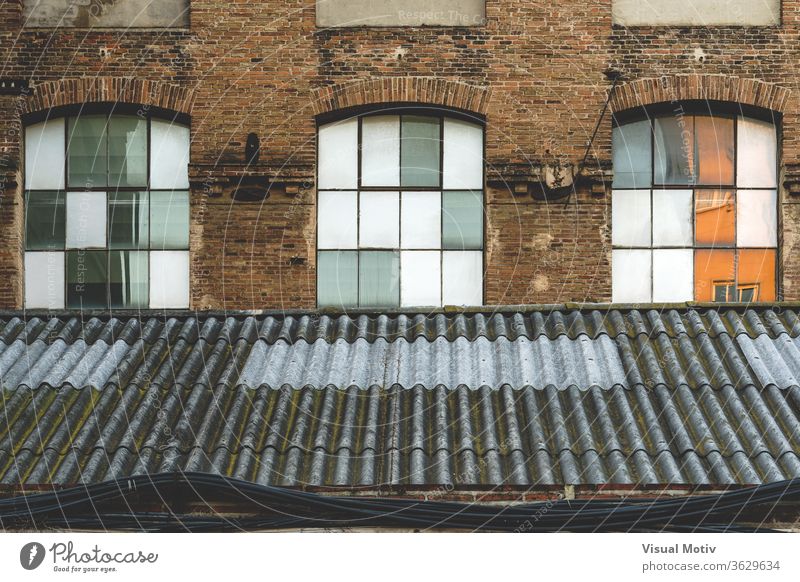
[[169, 220], [714, 218], [87, 151], [673, 151], [87, 279], [127, 151], [129, 279], [714, 150], [128, 224], [45, 220], [632, 144]]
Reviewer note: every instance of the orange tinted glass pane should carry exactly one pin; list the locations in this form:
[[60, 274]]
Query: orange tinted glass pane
[[757, 270], [713, 269], [714, 150], [714, 218]]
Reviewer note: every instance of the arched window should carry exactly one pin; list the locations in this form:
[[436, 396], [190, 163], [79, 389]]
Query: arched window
[[106, 212], [400, 211], [694, 207]]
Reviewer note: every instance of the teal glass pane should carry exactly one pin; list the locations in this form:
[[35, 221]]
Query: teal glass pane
[[337, 279], [673, 150], [128, 218], [419, 151], [129, 279], [632, 155], [169, 220], [379, 279], [462, 220], [87, 279], [87, 151], [127, 151], [45, 220]]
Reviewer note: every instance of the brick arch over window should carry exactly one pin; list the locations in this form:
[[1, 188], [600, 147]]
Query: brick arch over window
[[52, 94], [424, 90]]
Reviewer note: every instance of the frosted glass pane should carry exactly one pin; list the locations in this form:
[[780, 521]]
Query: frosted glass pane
[[128, 219], [380, 150], [630, 218], [44, 155], [420, 279], [462, 278], [757, 218], [756, 162], [421, 223], [337, 279], [462, 220], [127, 151], [169, 220], [87, 279], [44, 220], [128, 279], [672, 218], [673, 279], [379, 225], [673, 150], [337, 216], [631, 276], [463, 155], [169, 279], [338, 155], [88, 151], [44, 280], [420, 151], [632, 162], [86, 220], [169, 155], [379, 279]]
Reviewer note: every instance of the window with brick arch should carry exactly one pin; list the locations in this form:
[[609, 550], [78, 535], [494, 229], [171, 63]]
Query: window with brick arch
[[400, 211], [106, 212], [695, 206]]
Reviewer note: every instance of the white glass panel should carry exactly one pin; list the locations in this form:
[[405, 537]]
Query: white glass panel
[[631, 275], [380, 150], [462, 278], [630, 218], [86, 220], [338, 155], [169, 155], [421, 224], [673, 279], [757, 218], [420, 279], [338, 220], [44, 280], [672, 218], [463, 155], [756, 162], [379, 225], [44, 155], [169, 279]]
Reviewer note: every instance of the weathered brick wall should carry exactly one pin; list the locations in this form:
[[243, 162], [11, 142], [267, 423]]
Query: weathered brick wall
[[535, 70]]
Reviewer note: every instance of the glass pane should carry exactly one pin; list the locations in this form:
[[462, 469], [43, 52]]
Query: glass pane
[[715, 218], [714, 150], [128, 220], [672, 218], [44, 280], [44, 155], [713, 272], [45, 220], [672, 275], [169, 220], [757, 274], [421, 224], [379, 220], [88, 151], [169, 279], [632, 149], [129, 279], [86, 220], [630, 218], [462, 278], [756, 162], [169, 155], [337, 279], [87, 279], [127, 151], [463, 155], [337, 217], [338, 155], [462, 220], [631, 276], [757, 218], [420, 278], [419, 151], [380, 150], [379, 278], [673, 150]]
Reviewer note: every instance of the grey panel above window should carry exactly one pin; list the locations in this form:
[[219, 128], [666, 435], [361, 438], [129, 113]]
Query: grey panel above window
[[697, 13], [353, 13], [117, 14]]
